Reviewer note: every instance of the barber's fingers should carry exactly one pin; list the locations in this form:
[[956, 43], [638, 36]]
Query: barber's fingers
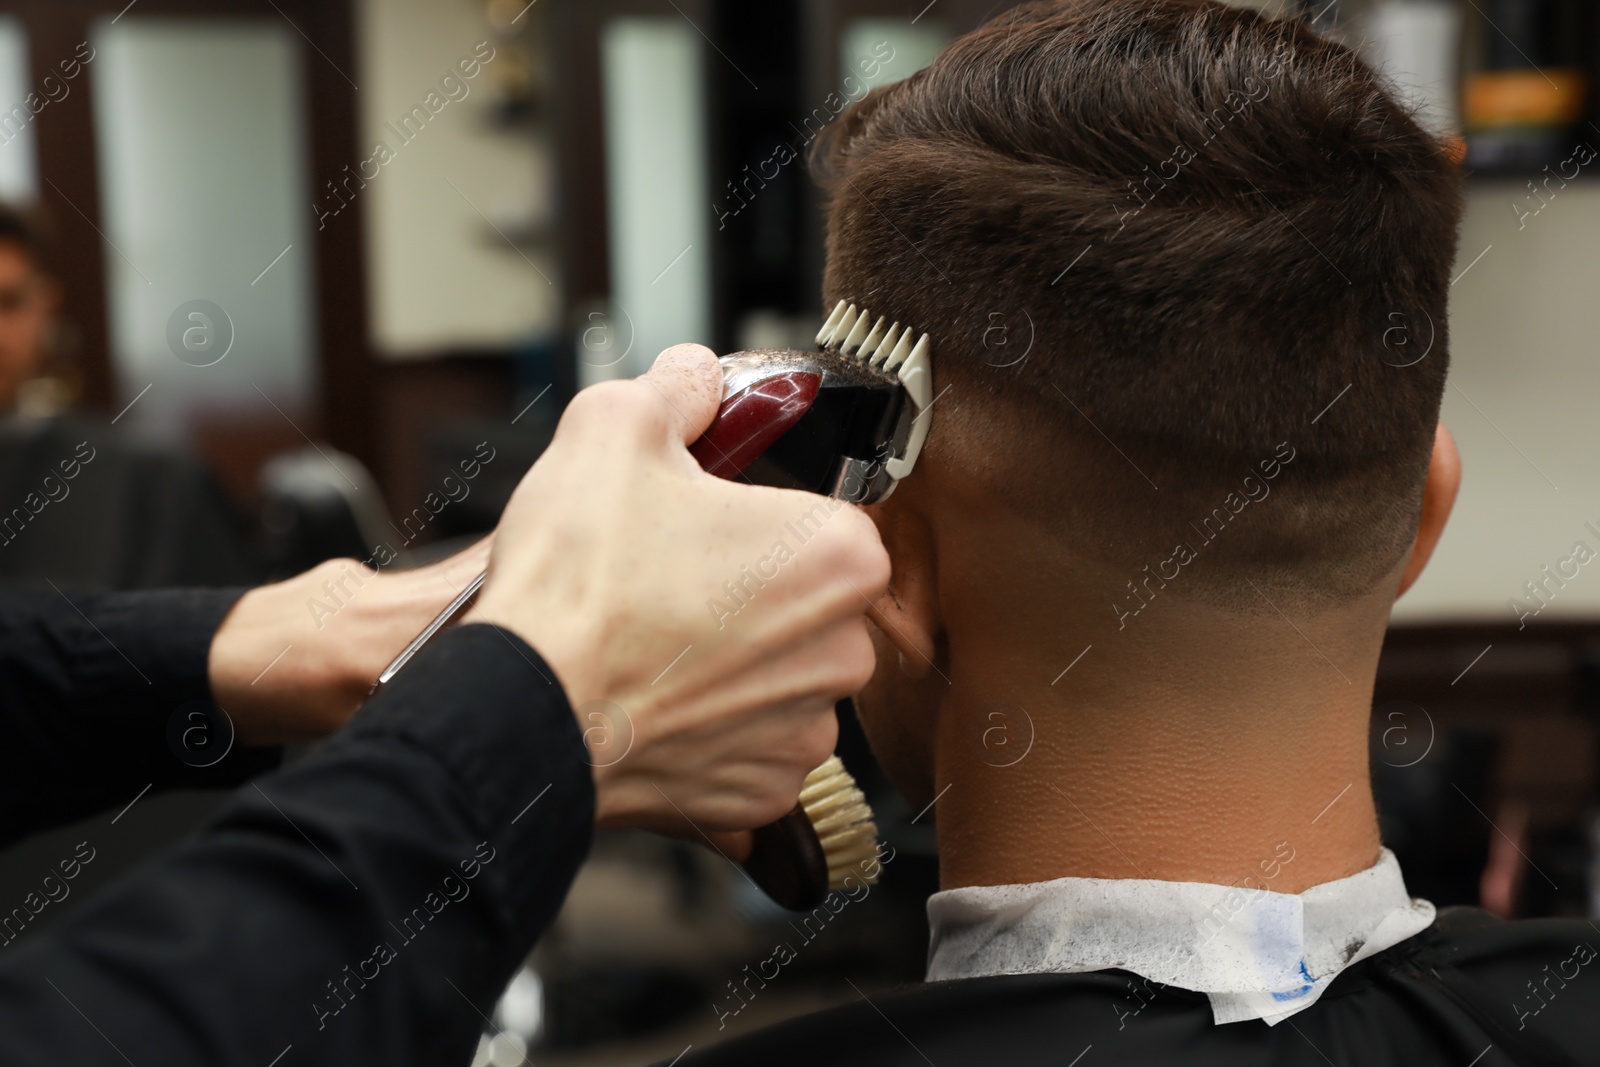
[[673, 403], [845, 560], [819, 667], [688, 379], [722, 784]]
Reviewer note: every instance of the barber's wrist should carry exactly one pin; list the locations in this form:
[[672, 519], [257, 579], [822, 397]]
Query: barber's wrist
[[274, 667], [295, 659], [483, 704], [391, 609], [573, 653]]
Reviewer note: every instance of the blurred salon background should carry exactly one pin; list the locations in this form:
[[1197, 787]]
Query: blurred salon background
[[288, 280]]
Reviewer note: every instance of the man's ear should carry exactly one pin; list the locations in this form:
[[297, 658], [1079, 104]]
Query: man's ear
[[1438, 498], [908, 613]]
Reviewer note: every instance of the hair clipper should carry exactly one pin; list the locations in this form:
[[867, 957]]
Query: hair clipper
[[847, 421]]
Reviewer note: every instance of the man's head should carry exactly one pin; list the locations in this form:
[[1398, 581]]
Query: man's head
[[1185, 269], [29, 301]]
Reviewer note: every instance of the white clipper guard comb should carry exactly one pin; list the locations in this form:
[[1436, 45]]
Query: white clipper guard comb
[[894, 351]]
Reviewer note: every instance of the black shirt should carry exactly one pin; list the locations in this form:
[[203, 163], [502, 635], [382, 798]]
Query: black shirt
[[1470, 991], [368, 904], [365, 905]]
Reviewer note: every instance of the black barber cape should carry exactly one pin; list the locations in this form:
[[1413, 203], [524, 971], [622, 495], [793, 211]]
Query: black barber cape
[[363, 906], [1470, 991]]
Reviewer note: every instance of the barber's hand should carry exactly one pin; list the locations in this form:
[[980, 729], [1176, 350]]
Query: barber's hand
[[611, 560], [294, 660]]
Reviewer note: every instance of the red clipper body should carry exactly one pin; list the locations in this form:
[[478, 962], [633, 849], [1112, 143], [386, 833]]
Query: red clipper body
[[845, 421]]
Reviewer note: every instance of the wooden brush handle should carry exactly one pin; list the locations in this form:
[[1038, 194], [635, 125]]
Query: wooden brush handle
[[788, 863]]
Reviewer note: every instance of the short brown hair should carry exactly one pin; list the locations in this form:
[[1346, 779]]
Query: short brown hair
[[1215, 224]]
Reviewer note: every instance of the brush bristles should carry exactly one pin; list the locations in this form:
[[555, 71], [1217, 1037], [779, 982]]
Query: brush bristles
[[839, 813], [853, 332]]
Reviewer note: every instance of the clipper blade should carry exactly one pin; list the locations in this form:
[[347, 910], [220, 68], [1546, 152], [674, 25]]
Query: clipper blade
[[896, 351]]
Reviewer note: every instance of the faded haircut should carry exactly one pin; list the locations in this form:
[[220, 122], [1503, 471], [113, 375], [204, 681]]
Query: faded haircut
[[1212, 232]]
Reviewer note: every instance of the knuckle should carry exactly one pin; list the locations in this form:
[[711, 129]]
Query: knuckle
[[816, 743], [584, 412], [857, 550], [773, 805], [859, 661], [763, 798], [593, 400], [332, 569], [618, 406]]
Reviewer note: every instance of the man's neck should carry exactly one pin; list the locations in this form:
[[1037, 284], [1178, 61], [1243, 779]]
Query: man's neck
[[1161, 755]]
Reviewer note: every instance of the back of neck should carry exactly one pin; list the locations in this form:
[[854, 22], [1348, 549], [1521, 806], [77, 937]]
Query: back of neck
[[1214, 761]]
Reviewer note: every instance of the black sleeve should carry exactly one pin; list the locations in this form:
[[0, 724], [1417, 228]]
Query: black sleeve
[[88, 685], [366, 905]]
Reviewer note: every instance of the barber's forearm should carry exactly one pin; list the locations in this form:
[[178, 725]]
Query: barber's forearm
[[89, 683], [294, 660], [410, 862]]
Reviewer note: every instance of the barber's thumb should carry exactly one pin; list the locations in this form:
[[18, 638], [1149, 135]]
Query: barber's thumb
[[689, 379]]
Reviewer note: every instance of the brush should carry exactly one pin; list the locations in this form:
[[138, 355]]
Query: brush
[[827, 838]]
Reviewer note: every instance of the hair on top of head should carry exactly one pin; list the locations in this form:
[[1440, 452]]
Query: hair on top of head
[[1208, 225]]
